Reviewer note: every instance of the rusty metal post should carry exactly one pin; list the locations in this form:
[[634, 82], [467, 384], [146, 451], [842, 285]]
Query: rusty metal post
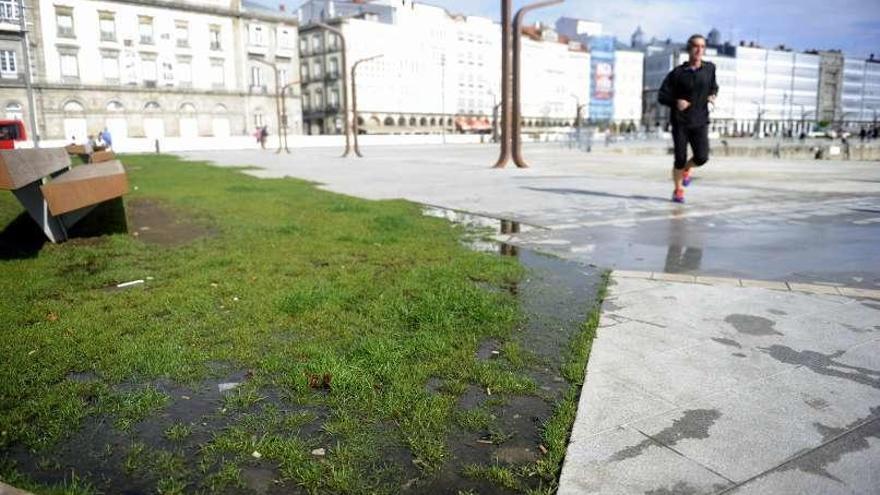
[[506, 83], [354, 105], [346, 122], [516, 143]]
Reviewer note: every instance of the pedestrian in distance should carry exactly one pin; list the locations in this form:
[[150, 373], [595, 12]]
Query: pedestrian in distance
[[688, 90]]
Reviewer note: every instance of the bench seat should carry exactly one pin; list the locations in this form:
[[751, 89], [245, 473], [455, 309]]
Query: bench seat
[[85, 185]]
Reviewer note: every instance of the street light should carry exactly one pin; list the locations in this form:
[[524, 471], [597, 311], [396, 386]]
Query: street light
[[280, 108], [761, 113], [354, 105], [579, 109], [346, 121]]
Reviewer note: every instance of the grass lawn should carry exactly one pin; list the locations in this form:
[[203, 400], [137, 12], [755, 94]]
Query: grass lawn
[[345, 334]]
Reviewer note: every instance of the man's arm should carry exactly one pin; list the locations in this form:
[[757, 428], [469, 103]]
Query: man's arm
[[713, 91], [665, 96]]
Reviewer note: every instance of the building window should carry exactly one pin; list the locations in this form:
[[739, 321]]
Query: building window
[[64, 20], [282, 77], [333, 98], [110, 66], [214, 37], [285, 40], [306, 101], [303, 46], [145, 29], [304, 72], [115, 107], [181, 32], [107, 25], [8, 67], [184, 72], [319, 100], [316, 43], [258, 119], [149, 70], [9, 11], [218, 73], [256, 77], [317, 70], [333, 68], [69, 65], [168, 73], [14, 111], [257, 35], [333, 41], [152, 106]]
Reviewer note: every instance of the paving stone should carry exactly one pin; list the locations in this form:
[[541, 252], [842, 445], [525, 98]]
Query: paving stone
[[623, 462], [764, 284]]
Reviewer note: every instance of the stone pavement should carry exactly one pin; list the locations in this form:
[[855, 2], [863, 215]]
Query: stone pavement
[[704, 379], [695, 388]]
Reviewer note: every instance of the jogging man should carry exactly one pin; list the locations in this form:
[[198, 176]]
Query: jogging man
[[688, 90]]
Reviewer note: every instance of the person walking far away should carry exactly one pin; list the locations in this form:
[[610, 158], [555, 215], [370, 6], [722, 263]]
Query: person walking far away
[[687, 91], [107, 138], [264, 134]]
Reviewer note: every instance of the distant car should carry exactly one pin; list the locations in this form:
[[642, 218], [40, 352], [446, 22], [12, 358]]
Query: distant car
[[818, 134], [10, 132]]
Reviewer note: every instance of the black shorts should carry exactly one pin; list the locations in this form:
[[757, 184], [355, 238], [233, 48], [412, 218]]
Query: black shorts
[[698, 137]]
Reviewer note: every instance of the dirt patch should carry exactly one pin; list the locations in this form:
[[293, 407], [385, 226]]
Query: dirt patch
[[155, 223]]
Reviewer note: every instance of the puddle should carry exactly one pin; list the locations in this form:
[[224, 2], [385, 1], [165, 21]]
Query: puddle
[[156, 224], [555, 296]]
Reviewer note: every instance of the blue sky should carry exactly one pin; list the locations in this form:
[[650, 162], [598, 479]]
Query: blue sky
[[850, 25]]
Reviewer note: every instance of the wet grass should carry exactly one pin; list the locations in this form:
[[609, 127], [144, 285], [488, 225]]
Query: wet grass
[[336, 311]]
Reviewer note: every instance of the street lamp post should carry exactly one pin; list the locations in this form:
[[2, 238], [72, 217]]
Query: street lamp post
[[516, 147], [354, 105], [280, 105], [761, 112], [346, 122]]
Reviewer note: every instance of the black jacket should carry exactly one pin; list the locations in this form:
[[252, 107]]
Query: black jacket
[[693, 86]]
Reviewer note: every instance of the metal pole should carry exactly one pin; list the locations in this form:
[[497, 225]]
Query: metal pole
[[284, 112], [506, 83], [443, 96], [516, 138], [28, 81], [354, 106], [277, 97], [346, 122]]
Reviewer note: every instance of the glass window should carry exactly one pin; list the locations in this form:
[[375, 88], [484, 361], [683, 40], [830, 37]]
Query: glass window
[[256, 76], [257, 35], [110, 66], [149, 70], [304, 72], [214, 37], [9, 11], [184, 72], [107, 24], [64, 20], [218, 77], [8, 65], [145, 29], [14, 111], [317, 70], [181, 33], [69, 65]]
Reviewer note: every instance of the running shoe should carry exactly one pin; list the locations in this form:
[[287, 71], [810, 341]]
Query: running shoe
[[678, 196], [686, 178]]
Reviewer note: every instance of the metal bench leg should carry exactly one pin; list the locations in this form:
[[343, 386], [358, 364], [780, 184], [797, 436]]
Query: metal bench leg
[[31, 198]]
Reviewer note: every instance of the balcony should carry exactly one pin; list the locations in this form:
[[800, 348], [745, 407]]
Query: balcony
[[259, 89]]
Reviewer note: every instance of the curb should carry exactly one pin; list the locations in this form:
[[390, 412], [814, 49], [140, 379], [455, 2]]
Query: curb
[[833, 290]]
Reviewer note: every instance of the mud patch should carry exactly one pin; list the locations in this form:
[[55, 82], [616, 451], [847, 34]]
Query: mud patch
[[692, 425], [155, 223]]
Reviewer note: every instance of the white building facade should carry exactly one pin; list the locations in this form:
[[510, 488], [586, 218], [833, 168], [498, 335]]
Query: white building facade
[[860, 96], [438, 72], [153, 70]]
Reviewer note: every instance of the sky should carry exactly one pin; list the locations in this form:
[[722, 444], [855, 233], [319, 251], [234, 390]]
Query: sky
[[849, 25]]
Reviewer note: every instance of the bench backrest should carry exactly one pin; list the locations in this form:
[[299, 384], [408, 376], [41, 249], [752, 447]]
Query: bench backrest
[[21, 167], [102, 156]]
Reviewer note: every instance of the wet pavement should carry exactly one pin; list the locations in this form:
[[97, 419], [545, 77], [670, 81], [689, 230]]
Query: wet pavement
[[694, 389], [765, 219]]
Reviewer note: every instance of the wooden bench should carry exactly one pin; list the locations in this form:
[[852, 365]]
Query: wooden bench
[[55, 194], [102, 156]]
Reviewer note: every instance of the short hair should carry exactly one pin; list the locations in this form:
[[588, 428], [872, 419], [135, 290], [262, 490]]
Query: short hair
[[695, 37]]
